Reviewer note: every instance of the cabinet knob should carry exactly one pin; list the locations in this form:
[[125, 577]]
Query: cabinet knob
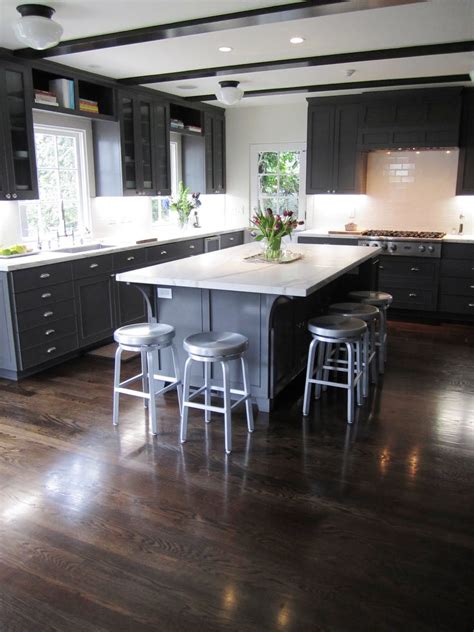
[[231, 239], [45, 275], [163, 252], [8, 196], [130, 258], [412, 295], [329, 190], [93, 265], [48, 314], [334, 190], [472, 287], [51, 350], [415, 269], [49, 332], [46, 295], [192, 246], [470, 304], [14, 196]]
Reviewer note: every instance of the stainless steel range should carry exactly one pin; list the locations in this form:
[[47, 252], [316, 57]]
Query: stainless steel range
[[407, 243]]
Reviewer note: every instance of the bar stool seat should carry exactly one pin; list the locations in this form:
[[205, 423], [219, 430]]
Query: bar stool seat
[[335, 329], [369, 314], [379, 299], [147, 339], [221, 347]]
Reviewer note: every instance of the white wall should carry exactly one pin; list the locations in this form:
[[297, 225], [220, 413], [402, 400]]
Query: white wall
[[254, 126]]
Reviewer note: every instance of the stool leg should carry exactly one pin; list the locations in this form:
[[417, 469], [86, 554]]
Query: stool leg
[[382, 327], [177, 374], [359, 371], [319, 369], [248, 401], [145, 376], [118, 359], [152, 370], [227, 409], [207, 391], [373, 349], [365, 362], [184, 412], [350, 382], [309, 374], [327, 356]]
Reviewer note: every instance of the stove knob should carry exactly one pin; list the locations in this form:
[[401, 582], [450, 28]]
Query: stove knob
[[431, 248], [384, 246], [421, 248], [392, 247], [375, 245]]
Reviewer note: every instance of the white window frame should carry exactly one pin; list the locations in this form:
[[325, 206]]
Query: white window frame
[[175, 177], [255, 150], [84, 219]]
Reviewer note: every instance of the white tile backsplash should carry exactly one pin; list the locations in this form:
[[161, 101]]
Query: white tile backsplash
[[405, 191]]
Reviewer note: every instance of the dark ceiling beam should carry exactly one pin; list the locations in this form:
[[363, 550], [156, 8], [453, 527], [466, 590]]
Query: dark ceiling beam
[[210, 24], [352, 85], [306, 62]]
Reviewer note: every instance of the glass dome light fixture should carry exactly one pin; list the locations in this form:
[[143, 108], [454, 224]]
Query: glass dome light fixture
[[35, 28], [229, 92]]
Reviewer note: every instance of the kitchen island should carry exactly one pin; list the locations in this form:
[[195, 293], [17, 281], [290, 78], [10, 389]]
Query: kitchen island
[[268, 303]]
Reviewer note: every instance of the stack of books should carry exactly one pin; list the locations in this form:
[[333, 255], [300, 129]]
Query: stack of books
[[45, 97], [176, 124], [86, 105], [193, 128], [64, 91]]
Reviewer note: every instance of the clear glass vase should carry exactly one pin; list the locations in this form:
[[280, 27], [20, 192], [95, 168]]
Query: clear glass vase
[[272, 250]]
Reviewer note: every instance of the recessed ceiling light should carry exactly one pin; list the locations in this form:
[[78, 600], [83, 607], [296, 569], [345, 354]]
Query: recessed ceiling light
[[297, 40], [225, 49], [187, 86]]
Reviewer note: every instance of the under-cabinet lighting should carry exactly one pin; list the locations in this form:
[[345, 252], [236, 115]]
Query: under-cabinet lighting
[[297, 40]]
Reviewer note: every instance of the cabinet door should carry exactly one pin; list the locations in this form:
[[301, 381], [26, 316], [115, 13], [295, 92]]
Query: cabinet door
[[144, 149], [161, 144], [214, 129], [349, 163], [130, 305], [95, 313], [465, 181], [320, 164], [19, 179], [129, 157]]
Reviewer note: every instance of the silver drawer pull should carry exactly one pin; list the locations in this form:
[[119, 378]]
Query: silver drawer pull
[[470, 304], [45, 275], [163, 252], [472, 287], [130, 258], [93, 265], [49, 332], [48, 314], [51, 350], [231, 239], [412, 295], [414, 269], [381, 268], [191, 247], [46, 295]]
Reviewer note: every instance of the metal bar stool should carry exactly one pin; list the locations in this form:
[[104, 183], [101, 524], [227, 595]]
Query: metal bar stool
[[369, 314], [147, 339], [382, 300], [335, 329], [222, 347]]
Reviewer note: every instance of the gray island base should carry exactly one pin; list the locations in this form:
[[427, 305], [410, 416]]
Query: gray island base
[[268, 303]]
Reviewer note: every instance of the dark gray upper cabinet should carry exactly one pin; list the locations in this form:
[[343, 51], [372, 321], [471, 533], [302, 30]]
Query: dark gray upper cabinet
[[132, 155], [18, 179], [334, 163], [410, 119], [214, 132], [465, 182]]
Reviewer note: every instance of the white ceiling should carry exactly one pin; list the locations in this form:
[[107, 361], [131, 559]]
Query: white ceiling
[[430, 22]]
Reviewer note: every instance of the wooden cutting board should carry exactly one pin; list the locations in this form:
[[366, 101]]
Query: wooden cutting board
[[345, 232]]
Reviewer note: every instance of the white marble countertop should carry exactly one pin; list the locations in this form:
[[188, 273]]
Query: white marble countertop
[[44, 257], [462, 239], [227, 270]]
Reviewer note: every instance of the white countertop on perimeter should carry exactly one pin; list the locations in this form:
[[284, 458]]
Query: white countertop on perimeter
[[458, 239], [227, 270]]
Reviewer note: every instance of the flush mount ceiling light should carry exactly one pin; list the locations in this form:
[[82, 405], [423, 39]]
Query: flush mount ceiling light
[[297, 40], [225, 49], [35, 28], [229, 92]]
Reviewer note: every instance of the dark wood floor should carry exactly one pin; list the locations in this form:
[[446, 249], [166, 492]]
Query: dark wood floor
[[308, 525]]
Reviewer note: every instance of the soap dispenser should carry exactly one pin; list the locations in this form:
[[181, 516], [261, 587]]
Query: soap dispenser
[[461, 224]]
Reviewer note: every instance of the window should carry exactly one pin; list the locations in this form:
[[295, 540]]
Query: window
[[278, 178], [160, 210], [63, 204]]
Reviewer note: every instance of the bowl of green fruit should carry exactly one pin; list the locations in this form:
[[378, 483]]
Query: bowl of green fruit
[[18, 250]]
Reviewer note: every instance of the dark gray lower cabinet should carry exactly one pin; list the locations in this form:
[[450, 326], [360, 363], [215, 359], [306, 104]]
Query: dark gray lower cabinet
[[130, 306], [456, 296], [95, 308]]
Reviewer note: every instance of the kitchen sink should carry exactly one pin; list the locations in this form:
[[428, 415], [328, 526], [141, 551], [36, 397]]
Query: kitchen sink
[[83, 248]]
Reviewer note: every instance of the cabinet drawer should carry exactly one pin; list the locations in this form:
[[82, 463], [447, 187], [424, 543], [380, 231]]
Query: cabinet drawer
[[457, 287], [412, 298], [458, 251], [334, 241], [190, 248], [43, 296], [463, 268], [232, 239], [91, 266], [456, 304], [408, 268], [129, 259], [49, 332], [49, 313], [160, 254], [47, 351], [42, 276]]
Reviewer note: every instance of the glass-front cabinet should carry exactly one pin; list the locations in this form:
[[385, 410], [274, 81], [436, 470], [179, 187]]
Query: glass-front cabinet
[[18, 180]]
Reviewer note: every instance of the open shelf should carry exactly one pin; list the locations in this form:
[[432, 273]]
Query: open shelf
[[189, 116]]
